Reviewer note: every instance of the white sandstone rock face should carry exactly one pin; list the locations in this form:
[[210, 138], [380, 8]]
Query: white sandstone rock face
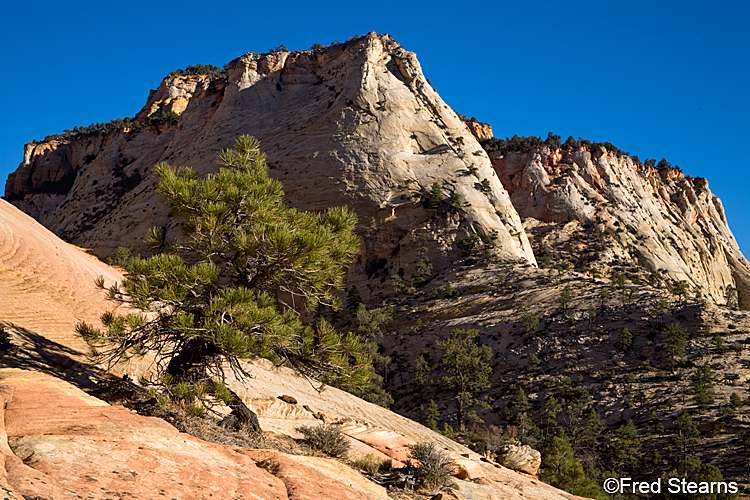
[[355, 124], [661, 218]]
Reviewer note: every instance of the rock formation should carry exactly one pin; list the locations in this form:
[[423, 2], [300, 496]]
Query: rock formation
[[631, 214], [358, 124], [521, 458], [478, 129], [354, 124], [47, 284]]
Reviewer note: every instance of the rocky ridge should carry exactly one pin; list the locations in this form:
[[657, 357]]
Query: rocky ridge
[[605, 209]]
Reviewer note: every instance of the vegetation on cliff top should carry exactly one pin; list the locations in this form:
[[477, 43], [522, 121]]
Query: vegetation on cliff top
[[553, 141]]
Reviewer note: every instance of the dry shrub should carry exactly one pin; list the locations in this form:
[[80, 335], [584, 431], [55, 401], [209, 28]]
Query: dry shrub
[[432, 466], [326, 439]]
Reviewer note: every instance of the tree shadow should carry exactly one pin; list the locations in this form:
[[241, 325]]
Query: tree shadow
[[36, 353]]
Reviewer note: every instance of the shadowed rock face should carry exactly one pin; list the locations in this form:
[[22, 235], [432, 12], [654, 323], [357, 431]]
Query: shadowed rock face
[[659, 219], [355, 124]]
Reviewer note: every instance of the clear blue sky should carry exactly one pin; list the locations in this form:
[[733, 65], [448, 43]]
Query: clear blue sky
[[656, 78]]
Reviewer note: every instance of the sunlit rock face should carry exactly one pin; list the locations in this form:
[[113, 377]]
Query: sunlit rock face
[[657, 219], [353, 124]]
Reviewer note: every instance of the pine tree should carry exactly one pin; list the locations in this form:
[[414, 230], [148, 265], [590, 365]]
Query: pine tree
[[675, 343], [563, 470], [534, 362], [552, 409], [529, 322], [435, 202], [702, 380], [520, 408], [626, 340], [565, 298], [684, 443], [422, 371], [234, 287], [467, 365], [624, 450], [370, 326], [429, 415]]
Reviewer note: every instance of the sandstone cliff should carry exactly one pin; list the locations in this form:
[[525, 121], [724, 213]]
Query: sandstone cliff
[[354, 124], [608, 211]]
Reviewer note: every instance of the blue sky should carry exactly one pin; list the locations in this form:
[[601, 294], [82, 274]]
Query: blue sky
[[656, 78]]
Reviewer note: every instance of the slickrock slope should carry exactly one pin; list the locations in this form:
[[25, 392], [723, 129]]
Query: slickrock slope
[[47, 285], [354, 124], [637, 215], [56, 442]]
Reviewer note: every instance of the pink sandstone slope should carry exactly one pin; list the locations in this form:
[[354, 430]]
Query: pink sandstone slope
[[47, 285]]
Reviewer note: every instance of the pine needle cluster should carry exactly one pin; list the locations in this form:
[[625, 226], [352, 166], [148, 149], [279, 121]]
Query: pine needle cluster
[[235, 286]]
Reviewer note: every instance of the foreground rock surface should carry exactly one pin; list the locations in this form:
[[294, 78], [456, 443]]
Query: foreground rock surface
[[46, 284], [62, 442], [56, 441]]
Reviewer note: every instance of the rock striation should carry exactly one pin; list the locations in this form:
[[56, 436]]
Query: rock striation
[[56, 441], [46, 284], [657, 219], [353, 124]]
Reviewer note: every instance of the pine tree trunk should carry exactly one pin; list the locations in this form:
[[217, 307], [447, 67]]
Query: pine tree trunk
[[190, 365], [460, 415], [246, 418]]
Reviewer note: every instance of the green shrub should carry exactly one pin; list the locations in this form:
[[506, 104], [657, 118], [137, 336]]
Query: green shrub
[[201, 69], [195, 409], [467, 244], [326, 439], [222, 393], [493, 144], [168, 117], [397, 282], [553, 141], [432, 466]]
